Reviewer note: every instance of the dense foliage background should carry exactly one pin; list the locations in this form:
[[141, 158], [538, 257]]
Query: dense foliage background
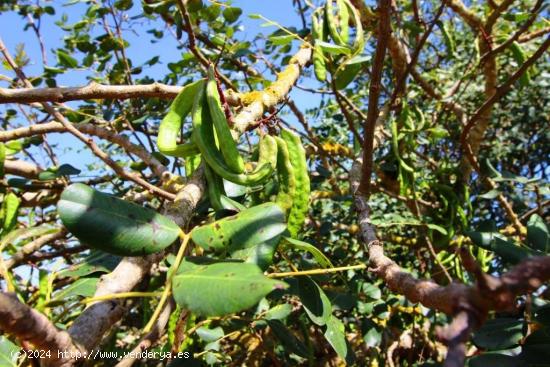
[[457, 77]]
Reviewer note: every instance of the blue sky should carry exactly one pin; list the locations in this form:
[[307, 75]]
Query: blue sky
[[11, 31]]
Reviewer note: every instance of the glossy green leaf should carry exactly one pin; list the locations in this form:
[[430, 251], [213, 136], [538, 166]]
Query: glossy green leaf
[[2, 159], [65, 60], [317, 254], [278, 312], [96, 262], [232, 13], [10, 206], [221, 288], [261, 254], [500, 333], [113, 225], [314, 300], [537, 234], [248, 228], [55, 172], [334, 49], [505, 249], [8, 352], [84, 287], [336, 336]]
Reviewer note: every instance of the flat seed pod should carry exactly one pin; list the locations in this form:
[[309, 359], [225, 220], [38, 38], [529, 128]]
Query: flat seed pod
[[248, 228], [113, 225]]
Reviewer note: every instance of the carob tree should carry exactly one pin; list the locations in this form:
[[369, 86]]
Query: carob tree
[[365, 185]]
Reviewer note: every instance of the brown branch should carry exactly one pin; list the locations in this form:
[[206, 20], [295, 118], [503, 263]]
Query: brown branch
[[29, 325], [21, 168], [88, 141], [500, 92], [469, 304], [148, 340], [530, 36], [93, 91], [55, 127], [384, 31], [28, 249], [90, 91]]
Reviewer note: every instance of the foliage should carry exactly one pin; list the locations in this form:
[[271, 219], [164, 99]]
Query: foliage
[[277, 197]]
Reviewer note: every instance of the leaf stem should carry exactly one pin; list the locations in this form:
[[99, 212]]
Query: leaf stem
[[168, 285], [316, 271]]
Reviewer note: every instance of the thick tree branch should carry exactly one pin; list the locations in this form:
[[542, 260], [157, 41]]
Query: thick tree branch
[[55, 127], [29, 325]]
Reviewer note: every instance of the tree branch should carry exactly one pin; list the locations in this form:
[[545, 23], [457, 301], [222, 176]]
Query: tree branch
[[384, 31], [30, 325]]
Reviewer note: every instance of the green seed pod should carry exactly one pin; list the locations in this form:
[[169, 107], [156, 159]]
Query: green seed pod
[[214, 184], [285, 174], [343, 15], [204, 138], [318, 58], [227, 145], [170, 125], [332, 22], [297, 155]]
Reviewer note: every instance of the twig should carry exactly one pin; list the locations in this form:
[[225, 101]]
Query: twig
[[88, 141]]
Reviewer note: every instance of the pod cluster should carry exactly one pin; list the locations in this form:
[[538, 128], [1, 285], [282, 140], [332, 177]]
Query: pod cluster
[[281, 159], [332, 23]]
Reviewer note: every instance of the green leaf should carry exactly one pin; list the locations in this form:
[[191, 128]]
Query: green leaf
[[8, 352], [221, 288], [278, 312], [13, 147], [210, 335], [2, 159], [292, 344], [537, 234], [334, 49], [490, 195], [497, 334], [123, 4], [113, 225], [336, 336], [84, 287], [248, 228], [281, 40], [352, 67], [371, 291], [314, 300], [96, 262], [24, 233], [10, 206], [232, 14], [261, 254], [506, 250], [55, 172], [321, 259], [66, 60]]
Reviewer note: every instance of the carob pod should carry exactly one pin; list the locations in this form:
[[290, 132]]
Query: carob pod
[[205, 140], [227, 145], [318, 57], [170, 125], [286, 177], [300, 204]]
